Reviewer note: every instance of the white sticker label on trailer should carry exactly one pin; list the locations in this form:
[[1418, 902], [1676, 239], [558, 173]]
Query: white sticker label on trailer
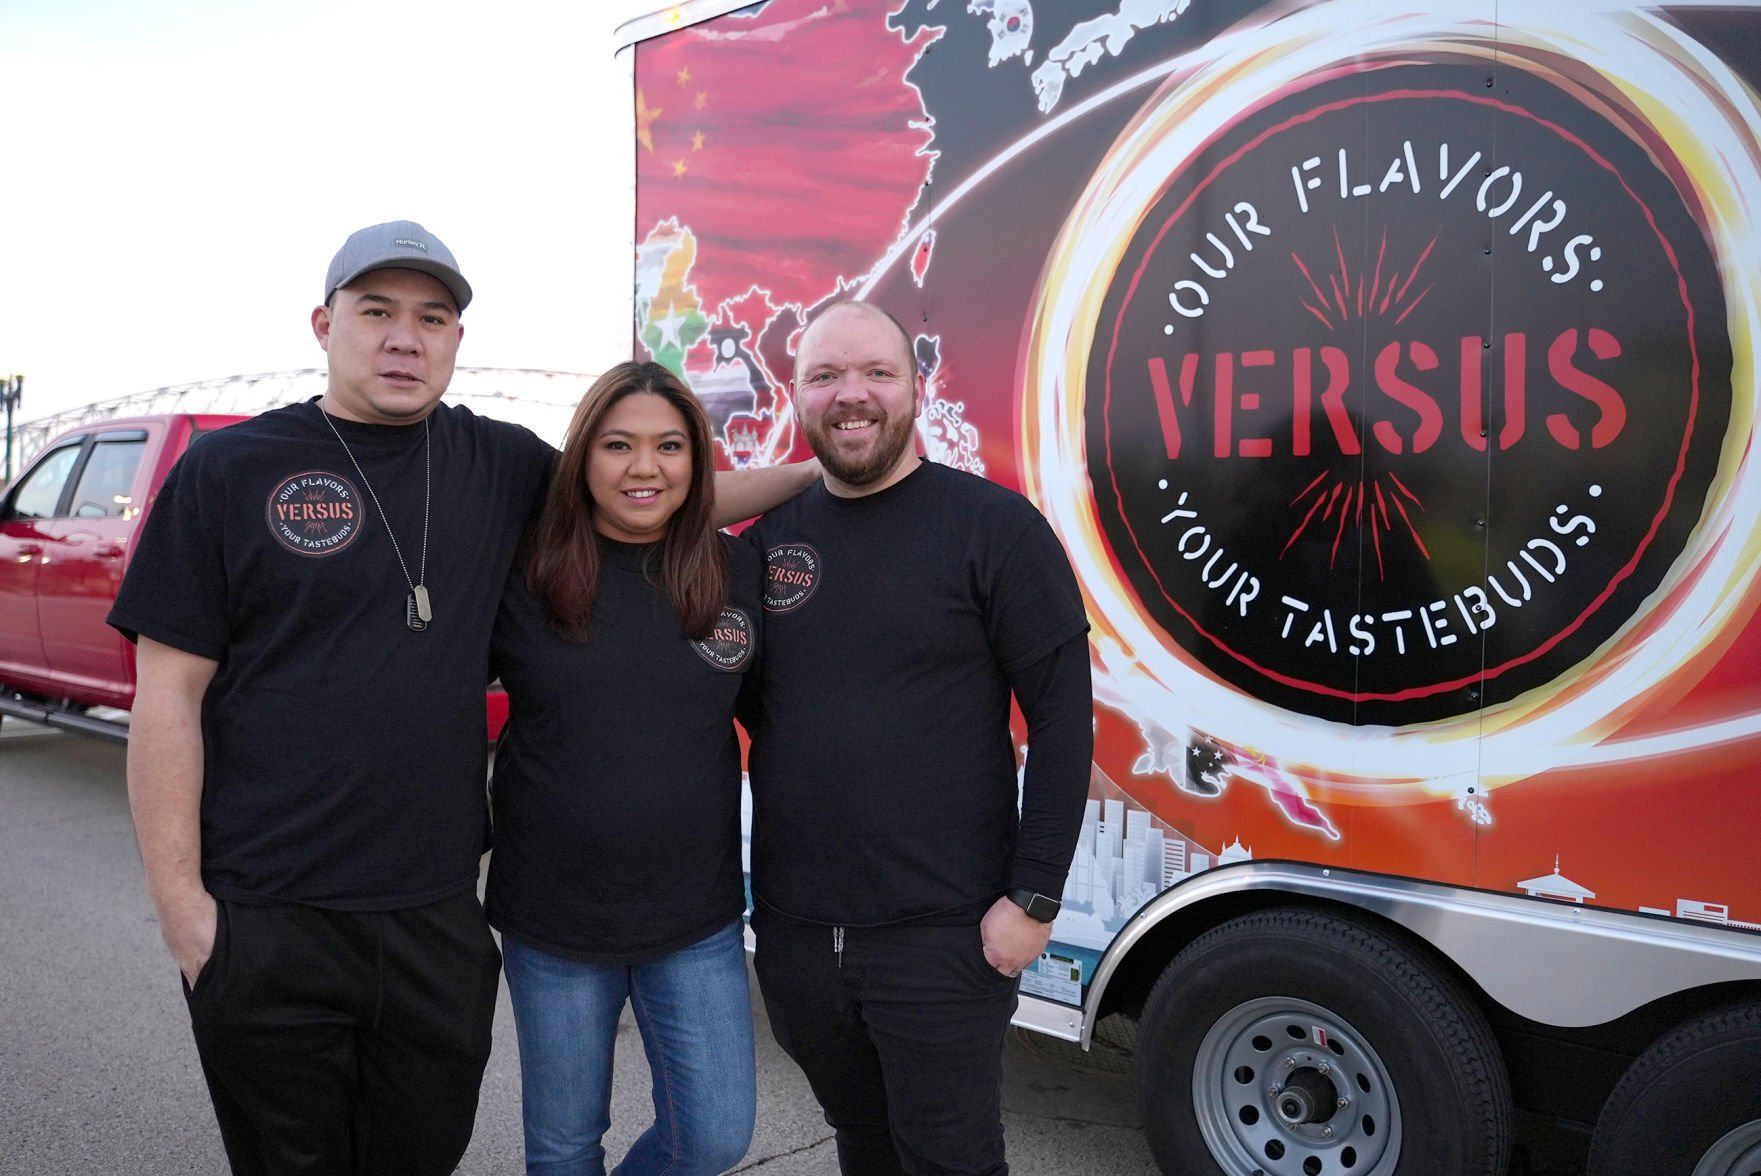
[[1054, 977]]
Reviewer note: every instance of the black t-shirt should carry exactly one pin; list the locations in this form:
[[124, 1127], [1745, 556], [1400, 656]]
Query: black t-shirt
[[617, 782], [883, 772], [344, 753]]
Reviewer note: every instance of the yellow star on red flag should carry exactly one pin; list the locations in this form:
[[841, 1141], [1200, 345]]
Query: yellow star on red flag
[[645, 116], [679, 168], [684, 75]]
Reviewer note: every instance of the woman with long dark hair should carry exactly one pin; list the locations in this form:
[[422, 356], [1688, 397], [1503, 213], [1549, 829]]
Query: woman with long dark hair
[[628, 632]]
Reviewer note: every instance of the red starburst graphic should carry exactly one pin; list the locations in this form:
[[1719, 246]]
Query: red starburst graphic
[[1346, 305], [313, 526], [1384, 496], [1351, 500]]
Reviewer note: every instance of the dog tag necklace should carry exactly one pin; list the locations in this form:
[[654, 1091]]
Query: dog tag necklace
[[417, 611]]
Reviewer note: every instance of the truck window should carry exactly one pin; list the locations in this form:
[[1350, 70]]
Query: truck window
[[105, 485], [40, 492]]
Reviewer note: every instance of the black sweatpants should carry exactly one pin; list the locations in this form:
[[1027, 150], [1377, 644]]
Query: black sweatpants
[[900, 1035], [346, 1041]]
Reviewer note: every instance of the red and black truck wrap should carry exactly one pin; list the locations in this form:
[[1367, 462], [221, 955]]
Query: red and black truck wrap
[[1388, 372]]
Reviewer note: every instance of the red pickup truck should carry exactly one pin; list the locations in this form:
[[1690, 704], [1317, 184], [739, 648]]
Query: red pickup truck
[[67, 528]]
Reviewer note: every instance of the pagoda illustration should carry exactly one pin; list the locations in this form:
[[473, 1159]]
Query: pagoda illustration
[[1556, 886]]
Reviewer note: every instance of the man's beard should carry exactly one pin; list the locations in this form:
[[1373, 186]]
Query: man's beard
[[895, 439]]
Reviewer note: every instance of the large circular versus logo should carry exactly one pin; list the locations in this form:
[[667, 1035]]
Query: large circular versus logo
[[729, 644], [1407, 393], [315, 513], [791, 573]]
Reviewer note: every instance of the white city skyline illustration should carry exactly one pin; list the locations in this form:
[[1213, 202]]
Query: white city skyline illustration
[[1125, 856], [1556, 887]]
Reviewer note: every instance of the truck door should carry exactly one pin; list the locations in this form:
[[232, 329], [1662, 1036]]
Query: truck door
[[82, 565], [24, 513]]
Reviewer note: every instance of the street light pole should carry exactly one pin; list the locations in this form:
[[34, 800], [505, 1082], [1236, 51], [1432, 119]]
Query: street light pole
[[11, 392]]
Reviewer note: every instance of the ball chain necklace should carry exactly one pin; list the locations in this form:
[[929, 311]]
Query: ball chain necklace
[[417, 612]]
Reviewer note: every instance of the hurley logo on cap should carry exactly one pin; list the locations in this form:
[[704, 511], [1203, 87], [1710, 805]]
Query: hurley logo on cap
[[392, 245]]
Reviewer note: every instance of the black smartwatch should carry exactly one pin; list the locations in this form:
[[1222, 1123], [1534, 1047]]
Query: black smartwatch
[[1038, 907]]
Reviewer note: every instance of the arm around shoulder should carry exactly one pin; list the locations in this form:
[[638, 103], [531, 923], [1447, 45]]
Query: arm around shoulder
[[744, 494]]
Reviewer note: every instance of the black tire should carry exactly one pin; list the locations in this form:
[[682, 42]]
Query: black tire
[[1406, 1041], [1690, 1090]]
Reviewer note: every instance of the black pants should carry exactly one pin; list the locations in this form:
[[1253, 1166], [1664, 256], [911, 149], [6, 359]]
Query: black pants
[[900, 1036], [346, 1041]]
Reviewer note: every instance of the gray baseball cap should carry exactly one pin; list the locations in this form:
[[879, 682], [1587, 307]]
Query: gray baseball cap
[[396, 245]]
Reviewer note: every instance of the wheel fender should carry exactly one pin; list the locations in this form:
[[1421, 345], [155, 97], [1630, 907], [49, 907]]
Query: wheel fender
[[1563, 965]]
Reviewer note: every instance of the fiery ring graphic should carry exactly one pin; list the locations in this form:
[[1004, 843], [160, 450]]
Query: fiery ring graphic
[[1695, 117]]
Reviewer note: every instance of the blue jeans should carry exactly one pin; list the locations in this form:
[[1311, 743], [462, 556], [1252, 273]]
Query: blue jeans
[[695, 1014]]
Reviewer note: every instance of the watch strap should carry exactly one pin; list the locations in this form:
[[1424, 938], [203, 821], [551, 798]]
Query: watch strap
[[1038, 907]]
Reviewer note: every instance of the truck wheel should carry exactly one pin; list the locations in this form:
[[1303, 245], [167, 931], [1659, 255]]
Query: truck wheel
[[1689, 1104], [1299, 1043]]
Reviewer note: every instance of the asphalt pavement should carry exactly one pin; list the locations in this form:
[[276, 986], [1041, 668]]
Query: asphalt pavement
[[98, 1074]]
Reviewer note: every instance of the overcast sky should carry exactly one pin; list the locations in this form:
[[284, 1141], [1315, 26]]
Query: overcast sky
[[177, 176]]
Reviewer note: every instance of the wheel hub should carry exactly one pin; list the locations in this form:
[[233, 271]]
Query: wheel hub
[[1284, 1087], [1308, 1097]]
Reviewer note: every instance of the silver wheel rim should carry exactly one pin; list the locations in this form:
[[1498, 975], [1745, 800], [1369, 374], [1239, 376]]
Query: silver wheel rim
[[1737, 1154], [1261, 1083]]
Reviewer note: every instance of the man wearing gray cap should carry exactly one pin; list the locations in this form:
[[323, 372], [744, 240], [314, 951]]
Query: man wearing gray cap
[[313, 595], [312, 598]]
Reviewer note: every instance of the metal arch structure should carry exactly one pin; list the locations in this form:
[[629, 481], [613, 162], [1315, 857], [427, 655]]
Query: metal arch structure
[[541, 400]]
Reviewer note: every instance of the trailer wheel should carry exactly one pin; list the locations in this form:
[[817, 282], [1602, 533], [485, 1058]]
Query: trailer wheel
[[1690, 1104], [1298, 1043]]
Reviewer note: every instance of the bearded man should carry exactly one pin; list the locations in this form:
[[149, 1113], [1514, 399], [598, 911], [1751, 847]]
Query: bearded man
[[898, 890]]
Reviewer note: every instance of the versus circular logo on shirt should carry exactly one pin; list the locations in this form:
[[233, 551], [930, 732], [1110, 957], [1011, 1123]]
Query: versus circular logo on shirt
[[791, 573], [315, 513], [729, 644]]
